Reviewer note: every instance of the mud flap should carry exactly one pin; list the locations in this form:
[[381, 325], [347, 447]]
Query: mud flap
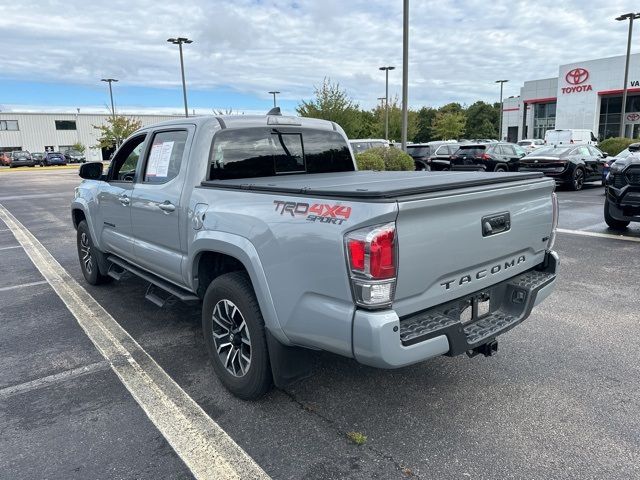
[[288, 364]]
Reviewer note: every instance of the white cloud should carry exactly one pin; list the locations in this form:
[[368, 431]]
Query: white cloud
[[457, 48]]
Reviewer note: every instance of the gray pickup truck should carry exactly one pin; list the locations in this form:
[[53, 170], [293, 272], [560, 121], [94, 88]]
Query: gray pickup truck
[[266, 221]]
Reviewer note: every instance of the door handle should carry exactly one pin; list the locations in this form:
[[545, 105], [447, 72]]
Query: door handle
[[167, 207], [124, 200]]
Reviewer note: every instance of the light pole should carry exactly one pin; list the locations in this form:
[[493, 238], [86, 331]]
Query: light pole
[[386, 101], [179, 41], [405, 72], [501, 82], [382, 100], [110, 81], [274, 93], [631, 17]]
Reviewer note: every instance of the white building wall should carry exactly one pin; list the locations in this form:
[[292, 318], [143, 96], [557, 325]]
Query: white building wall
[[38, 130]]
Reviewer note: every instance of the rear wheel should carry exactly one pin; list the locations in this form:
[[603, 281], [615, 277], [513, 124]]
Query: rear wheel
[[577, 179], [234, 333], [501, 168], [88, 255], [612, 222]]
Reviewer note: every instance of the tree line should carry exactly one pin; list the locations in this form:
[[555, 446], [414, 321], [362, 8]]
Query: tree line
[[451, 121]]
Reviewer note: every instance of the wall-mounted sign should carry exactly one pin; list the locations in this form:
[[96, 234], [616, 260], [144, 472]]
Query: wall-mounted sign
[[576, 78]]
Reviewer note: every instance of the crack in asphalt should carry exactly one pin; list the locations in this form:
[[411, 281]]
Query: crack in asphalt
[[402, 469]]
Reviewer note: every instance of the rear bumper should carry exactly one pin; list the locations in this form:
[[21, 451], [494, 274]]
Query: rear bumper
[[381, 339]]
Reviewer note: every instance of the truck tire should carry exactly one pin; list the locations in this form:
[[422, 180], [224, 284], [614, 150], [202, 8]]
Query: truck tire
[[234, 333], [577, 179], [612, 222], [87, 254]]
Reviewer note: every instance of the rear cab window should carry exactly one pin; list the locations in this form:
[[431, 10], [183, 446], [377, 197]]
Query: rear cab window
[[266, 152]]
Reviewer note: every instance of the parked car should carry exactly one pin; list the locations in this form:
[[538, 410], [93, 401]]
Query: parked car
[[622, 192], [530, 144], [37, 157], [289, 248], [634, 147], [561, 136], [487, 157], [21, 158], [53, 158], [572, 165], [432, 155], [5, 160], [362, 144], [74, 156]]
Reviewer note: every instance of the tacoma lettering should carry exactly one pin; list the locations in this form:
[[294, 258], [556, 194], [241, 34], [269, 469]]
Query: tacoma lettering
[[480, 274]]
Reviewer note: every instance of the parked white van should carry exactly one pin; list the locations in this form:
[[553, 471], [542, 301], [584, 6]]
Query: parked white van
[[569, 135]]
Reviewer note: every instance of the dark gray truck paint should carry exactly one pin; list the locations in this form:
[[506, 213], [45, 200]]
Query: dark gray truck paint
[[298, 266]]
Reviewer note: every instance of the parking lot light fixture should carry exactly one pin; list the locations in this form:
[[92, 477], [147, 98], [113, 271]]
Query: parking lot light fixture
[[110, 81], [386, 100], [501, 82], [179, 41], [631, 17], [274, 93]]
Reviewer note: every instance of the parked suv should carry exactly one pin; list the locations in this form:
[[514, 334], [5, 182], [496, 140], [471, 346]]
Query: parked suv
[[360, 145], [567, 164], [74, 156], [21, 158], [53, 158], [487, 157], [622, 192], [432, 155]]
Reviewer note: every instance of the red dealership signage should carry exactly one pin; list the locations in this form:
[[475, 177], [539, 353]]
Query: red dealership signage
[[576, 78], [633, 117]]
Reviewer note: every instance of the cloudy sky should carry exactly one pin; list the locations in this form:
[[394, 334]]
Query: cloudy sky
[[54, 53]]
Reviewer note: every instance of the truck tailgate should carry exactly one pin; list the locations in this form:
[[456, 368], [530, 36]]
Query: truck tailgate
[[447, 250]]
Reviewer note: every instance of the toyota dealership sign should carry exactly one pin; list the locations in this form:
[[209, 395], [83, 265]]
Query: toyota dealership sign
[[576, 81]]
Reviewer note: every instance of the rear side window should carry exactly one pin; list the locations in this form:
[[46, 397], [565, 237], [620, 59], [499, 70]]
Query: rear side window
[[265, 152], [471, 151], [165, 157]]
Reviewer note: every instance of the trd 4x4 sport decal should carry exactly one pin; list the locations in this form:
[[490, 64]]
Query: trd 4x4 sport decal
[[316, 212]]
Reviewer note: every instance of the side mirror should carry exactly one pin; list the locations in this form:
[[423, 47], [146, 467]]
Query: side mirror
[[605, 154], [91, 171]]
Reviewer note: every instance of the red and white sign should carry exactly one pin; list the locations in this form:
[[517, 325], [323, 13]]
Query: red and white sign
[[633, 117], [576, 78]]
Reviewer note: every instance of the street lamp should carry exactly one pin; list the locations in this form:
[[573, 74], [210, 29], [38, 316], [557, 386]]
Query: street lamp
[[382, 99], [501, 82], [179, 41], [386, 101], [631, 17], [405, 72], [110, 81], [274, 93]]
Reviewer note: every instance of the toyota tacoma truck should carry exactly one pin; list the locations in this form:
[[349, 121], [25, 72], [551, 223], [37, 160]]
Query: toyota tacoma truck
[[266, 221], [622, 191]]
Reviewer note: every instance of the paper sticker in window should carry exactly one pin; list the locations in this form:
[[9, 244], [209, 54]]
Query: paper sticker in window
[[159, 158]]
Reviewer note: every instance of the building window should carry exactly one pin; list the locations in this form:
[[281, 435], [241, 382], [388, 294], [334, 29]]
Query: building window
[[610, 113], [65, 124], [544, 118], [9, 125]]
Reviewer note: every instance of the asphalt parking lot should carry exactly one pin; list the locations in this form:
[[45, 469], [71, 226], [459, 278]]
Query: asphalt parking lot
[[560, 400]]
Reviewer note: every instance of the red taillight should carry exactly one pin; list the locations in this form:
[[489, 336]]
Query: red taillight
[[356, 254], [484, 156], [382, 261]]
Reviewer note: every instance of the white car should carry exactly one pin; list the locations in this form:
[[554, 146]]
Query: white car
[[561, 136], [530, 144], [359, 145]]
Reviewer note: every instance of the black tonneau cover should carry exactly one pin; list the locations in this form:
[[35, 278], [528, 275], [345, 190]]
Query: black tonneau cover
[[367, 184]]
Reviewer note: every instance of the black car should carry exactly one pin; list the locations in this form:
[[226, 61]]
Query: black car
[[622, 192], [487, 157], [431, 155], [53, 158], [21, 158], [572, 165]]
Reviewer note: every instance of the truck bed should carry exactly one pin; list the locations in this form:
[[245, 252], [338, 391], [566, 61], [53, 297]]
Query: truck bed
[[368, 184]]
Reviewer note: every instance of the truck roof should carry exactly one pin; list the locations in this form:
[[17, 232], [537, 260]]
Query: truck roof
[[250, 121]]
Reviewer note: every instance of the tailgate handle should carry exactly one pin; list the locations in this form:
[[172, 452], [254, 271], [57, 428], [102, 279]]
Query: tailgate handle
[[496, 223]]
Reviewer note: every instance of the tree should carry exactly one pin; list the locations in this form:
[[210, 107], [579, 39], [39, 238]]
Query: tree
[[395, 121], [448, 126], [332, 103], [116, 130], [482, 121], [425, 118], [78, 147]]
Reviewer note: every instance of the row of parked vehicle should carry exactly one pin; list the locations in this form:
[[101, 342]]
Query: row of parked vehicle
[[22, 158]]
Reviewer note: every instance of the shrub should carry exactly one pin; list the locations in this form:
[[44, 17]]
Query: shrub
[[613, 146], [369, 160]]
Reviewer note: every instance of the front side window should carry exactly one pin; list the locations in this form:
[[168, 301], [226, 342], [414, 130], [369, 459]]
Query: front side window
[[165, 157], [65, 124], [125, 162], [264, 152], [11, 125]]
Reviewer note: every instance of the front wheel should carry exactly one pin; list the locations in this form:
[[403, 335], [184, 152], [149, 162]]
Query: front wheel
[[501, 168], [612, 222], [234, 333], [577, 180], [88, 256]]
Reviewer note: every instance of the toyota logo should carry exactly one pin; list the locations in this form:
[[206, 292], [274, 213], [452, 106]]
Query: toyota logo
[[577, 76], [633, 117]]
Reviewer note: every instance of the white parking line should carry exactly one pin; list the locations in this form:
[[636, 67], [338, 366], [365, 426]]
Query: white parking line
[[58, 377], [599, 235], [23, 285], [200, 442], [9, 248]]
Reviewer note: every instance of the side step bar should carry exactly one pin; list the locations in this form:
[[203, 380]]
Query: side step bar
[[151, 295]]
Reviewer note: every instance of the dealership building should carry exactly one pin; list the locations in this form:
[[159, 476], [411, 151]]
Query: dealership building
[[584, 95], [57, 132]]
